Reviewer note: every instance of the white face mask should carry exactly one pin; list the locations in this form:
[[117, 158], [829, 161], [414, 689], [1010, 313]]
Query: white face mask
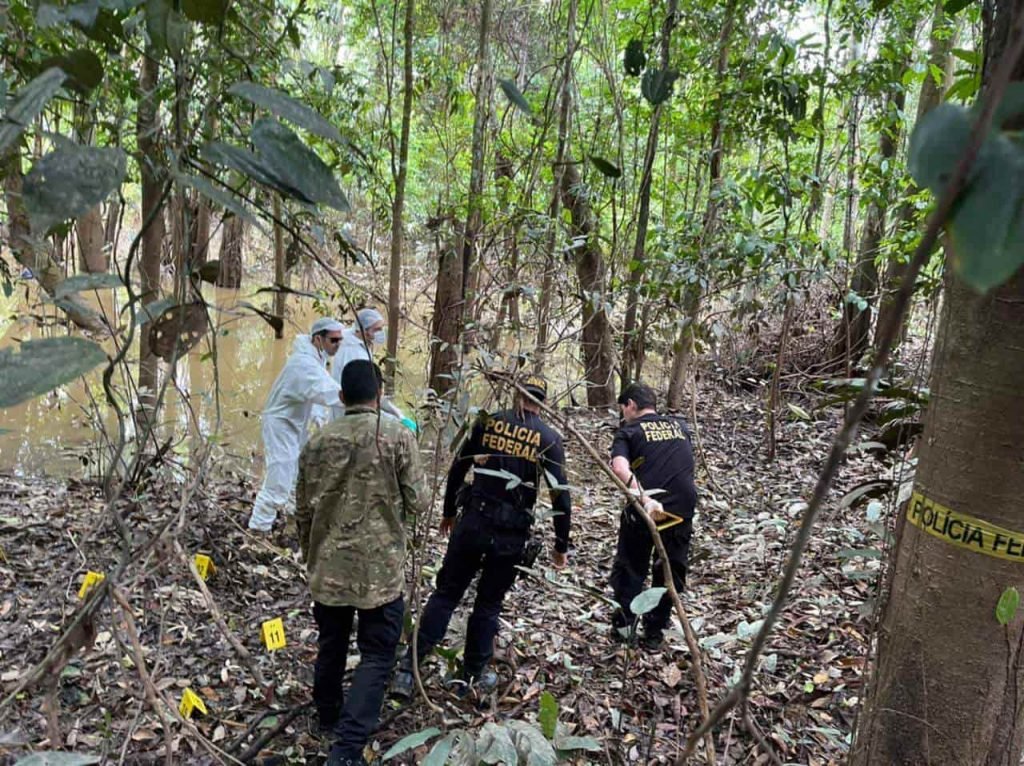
[[380, 337]]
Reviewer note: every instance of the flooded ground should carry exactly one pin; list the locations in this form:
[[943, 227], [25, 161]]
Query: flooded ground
[[58, 434]]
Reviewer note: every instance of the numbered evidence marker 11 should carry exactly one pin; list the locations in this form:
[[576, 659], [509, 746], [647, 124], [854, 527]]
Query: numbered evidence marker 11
[[90, 579], [272, 634], [204, 565], [191, 702]]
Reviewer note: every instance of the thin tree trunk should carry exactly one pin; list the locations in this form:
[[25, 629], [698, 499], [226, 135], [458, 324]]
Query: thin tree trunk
[[92, 257], [231, 246], [631, 338], [398, 206], [280, 266]]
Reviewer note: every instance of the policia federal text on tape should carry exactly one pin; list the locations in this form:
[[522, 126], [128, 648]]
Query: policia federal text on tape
[[510, 452]]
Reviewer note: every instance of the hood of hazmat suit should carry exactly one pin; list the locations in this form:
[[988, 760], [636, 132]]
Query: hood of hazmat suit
[[303, 382]]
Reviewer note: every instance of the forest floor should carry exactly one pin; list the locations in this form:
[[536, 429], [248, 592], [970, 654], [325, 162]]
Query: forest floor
[[554, 637]]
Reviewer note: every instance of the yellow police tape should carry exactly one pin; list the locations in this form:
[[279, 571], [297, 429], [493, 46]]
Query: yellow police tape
[[964, 531]]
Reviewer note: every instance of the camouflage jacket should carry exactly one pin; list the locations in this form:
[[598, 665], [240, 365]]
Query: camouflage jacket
[[358, 479]]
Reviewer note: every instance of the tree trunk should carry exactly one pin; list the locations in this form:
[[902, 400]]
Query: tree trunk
[[555, 208], [280, 266], [683, 347], [943, 40], [447, 319], [596, 342], [631, 338], [92, 258], [147, 138], [398, 207], [949, 682], [474, 203], [231, 244]]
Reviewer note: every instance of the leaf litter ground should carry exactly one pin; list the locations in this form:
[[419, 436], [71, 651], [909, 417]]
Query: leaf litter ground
[[640, 706]]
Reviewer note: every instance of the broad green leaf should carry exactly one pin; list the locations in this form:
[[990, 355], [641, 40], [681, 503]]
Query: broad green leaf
[[438, 754], [297, 167], [955, 6], [287, 108], [57, 758], [28, 105], [243, 161], [936, 144], [411, 742], [494, 745], [82, 15], [69, 181], [1006, 609], [154, 310], [83, 68], [39, 366], [1010, 105], [218, 196], [513, 95], [656, 85], [205, 11], [606, 168], [877, 6], [167, 29], [646, 601], [531, 745], [81, 282], [548, 714], [578, 743]]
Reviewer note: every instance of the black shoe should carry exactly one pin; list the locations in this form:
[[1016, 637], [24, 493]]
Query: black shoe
[[403, 685], [336, 758], [652, 641], [483, 682]]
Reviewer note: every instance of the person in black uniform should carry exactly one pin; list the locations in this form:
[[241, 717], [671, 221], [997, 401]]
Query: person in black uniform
[[510, 452], [652, 454]]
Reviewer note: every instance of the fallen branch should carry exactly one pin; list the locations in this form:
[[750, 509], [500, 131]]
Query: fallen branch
[[260, 742], [691, 637]]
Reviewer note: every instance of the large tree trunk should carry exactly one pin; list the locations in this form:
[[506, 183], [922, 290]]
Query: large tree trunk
[[400, 174], [89, 231], [631, 338], [231, 245], [949, 683], [596, 343], [447, 319], [147, 138]]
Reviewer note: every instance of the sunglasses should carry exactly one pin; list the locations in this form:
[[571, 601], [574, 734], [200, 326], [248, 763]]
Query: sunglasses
[[335, 341]]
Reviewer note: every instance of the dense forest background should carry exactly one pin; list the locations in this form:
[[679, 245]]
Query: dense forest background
[[728, 200]]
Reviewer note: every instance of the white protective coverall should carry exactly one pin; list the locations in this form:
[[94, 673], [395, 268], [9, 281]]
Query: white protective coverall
[[352, 347], [303, 383]]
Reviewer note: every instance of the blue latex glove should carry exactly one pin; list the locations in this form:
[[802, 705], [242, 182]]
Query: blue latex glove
[[410, 424]]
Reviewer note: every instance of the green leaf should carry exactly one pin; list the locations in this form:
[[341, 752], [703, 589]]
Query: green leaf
[[296, 167], [39, 366], [205, 11], [167, 29], [877, 6], [548, 714], [242, 160], [411, 742], [605, 167], [218, 196], [70, 181], [646, 601], [955, 6], [438, 754], [798, 411], [81, 282], [82, 15], [531, 745], [513, 95], [494, 745], [578, 743], [57, 758], [287, 108], [656, 85], [936, 144], [30, 103], [1011, 105], [634, 59], [1006, 609], [83, 68]]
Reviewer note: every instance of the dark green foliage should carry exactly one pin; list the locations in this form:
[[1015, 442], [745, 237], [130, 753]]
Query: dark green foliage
[[38, 366], [69, 181], [634, 59]]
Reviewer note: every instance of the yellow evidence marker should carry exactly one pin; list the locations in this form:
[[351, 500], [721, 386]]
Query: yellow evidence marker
[[205, 566], [191, 702], [90, 579], [272, 634]]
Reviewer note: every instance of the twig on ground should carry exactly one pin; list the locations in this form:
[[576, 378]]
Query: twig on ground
[[258, 744]]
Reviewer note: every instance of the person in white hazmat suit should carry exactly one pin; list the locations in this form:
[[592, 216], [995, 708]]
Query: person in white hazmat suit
[[358, 342], [304, 382]]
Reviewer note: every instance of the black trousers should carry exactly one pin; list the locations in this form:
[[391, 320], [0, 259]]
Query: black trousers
[[476, 545], [633, 561], [354, 718]]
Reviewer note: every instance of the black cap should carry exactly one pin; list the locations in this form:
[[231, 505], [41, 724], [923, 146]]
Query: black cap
[[536, 385]]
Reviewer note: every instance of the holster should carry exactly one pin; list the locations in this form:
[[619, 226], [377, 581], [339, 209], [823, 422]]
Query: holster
[[530, 552], [501, 514]]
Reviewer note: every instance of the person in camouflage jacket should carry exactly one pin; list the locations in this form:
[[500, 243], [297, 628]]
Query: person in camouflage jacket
[[359, 478]]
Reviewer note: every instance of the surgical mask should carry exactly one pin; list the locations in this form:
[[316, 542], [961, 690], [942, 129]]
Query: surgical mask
[[380, 337]]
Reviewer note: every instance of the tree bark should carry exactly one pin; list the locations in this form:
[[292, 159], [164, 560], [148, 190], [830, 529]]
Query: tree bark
[[631, 339], [280, 266], [92, 258], [231, 245], [447, 319], [147, 130], [949, 681], [398, 206], [596, 343]]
